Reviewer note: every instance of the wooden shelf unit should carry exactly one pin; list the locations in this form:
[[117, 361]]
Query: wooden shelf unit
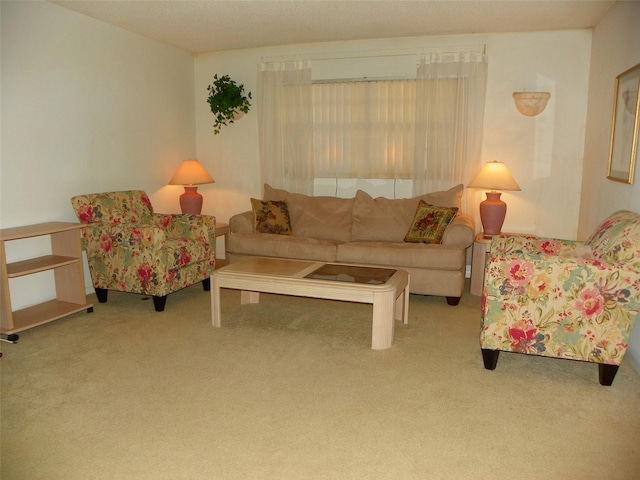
[[66, 263]]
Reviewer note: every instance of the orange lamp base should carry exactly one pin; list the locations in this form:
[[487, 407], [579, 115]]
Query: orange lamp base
[[191, 201], [492, 213]]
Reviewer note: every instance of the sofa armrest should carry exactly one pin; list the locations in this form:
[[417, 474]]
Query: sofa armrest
[[509, 245], [241, 223], [460, 232]]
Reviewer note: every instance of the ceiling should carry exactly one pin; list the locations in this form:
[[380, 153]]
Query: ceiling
[[213, 25]]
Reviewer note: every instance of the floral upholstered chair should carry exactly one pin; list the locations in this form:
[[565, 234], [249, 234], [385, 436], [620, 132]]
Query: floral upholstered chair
[[132, 249], [564, 299]]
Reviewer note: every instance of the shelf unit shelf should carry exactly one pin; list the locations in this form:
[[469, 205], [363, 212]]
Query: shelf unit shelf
[[66, 264], [35, 265]]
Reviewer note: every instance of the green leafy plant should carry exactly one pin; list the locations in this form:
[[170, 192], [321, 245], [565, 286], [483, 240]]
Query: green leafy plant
[[226, 99]]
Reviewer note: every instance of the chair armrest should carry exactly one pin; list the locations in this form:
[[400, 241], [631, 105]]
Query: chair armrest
[[188, 226], [510, 245], [241, 222], [460, 232], [101, 239]]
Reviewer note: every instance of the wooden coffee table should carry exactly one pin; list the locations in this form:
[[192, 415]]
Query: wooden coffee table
[[387, 289]]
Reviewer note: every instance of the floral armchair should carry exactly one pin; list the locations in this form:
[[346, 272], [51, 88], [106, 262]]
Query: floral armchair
[[564, 299], [132, 249]]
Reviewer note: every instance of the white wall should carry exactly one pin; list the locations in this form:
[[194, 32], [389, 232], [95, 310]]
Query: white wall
[[86, 107], [544, 153], [616, 48]]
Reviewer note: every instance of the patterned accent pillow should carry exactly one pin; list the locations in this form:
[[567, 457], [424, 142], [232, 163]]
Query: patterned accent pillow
[[271, 216], [429, 223]]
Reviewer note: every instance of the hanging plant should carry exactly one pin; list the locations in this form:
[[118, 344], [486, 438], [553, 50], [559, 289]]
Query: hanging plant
[[227, 101]]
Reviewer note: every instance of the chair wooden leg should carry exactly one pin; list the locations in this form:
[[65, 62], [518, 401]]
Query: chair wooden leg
[[490, 358], [159, 303], [102, 293], [206, 284], [607, 373]]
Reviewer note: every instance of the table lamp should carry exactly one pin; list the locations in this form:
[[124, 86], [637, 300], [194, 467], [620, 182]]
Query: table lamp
[[189, 174], [493, 176]]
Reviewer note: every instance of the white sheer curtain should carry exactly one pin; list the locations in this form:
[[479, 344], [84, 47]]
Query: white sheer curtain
[[364, 129], [451, 89], [285, 125]]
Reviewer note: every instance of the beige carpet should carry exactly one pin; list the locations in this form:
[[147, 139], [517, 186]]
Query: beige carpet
[[290, 389]]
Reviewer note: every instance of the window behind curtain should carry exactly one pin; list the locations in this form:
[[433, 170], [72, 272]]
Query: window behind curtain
[[364, 129]]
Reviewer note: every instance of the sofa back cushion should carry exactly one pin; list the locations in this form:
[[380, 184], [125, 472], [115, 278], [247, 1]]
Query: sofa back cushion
[[617, 239], [324, 218], [388, 220], [131, 206]]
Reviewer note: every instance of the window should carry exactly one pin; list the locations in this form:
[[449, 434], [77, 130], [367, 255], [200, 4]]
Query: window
[[364, 129], [427, 130]]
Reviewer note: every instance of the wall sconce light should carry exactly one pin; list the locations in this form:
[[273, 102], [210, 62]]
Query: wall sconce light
[[189, 174], [531, 103]]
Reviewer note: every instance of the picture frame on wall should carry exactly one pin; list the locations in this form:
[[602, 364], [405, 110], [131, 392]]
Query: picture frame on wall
[[625, 126]]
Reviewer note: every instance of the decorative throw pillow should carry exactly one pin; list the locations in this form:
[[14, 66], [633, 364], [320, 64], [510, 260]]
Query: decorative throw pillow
[[429, 223], [271, 216]]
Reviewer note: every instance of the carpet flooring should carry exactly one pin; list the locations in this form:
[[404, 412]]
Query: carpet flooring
[[290, 389]]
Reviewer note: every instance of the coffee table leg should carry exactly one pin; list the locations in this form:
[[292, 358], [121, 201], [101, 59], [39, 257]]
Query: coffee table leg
[[405, 314], [247, 296], [402, 306], [399, 310], [405, 296], [215, 302], [383, 322]]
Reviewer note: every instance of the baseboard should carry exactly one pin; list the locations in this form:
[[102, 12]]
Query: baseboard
[[633, 360], [632, 356]]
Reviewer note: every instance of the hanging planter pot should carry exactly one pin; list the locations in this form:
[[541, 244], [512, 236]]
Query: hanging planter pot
[[227, 100]]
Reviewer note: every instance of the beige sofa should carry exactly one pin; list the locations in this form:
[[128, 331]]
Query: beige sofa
[[363, 230]]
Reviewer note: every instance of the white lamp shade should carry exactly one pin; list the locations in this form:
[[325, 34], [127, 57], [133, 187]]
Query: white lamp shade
[[191, 172], [494, 176]]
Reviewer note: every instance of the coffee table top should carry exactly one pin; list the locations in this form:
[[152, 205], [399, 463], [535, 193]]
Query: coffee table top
[[352, 274], [277, 267], [332, 272]]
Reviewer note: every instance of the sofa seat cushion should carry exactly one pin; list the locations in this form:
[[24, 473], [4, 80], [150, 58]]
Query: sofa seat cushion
[[284, 246], [388, 220], [401, 254], [325, 218]]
